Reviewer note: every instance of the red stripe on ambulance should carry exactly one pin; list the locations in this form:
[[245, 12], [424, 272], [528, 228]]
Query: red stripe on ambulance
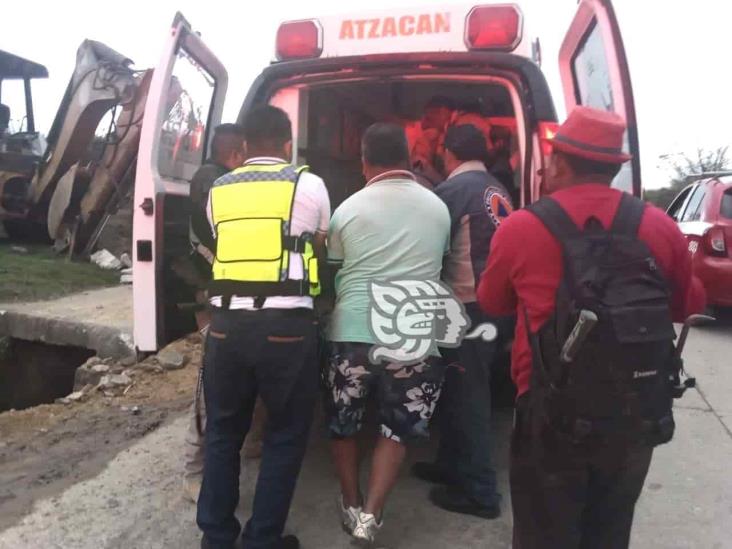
[[386, 27]]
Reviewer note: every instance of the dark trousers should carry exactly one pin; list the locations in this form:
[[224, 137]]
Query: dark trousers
[[570, 497], [270, 353], [465, 409]]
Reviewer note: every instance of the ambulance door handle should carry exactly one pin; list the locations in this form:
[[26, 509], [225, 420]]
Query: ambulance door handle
[[147, 206]]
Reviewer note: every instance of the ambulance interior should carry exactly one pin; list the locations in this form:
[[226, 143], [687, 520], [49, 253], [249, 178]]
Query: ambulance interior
[[331, 119], [328, 119]]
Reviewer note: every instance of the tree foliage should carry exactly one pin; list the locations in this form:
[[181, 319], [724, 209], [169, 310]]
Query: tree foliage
[[683, 166]]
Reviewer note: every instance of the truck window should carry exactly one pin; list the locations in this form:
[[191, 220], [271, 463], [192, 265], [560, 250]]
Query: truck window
[[183, 137], [591, 74], [13, 97], [725, 208]]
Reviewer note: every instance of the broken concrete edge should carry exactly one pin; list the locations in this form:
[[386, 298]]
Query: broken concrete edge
[[105, 340]]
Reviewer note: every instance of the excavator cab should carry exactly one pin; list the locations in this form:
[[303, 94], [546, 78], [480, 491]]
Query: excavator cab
[[21, 147], [17, 121]]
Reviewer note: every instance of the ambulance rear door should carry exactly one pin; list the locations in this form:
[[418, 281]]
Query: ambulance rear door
[[594, 72], [184, 104]]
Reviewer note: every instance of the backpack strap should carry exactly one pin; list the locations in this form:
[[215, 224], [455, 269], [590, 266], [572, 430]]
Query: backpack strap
[[628, 217], [554, 218]]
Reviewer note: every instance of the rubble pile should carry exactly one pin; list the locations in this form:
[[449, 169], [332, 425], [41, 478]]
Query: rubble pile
[[115, 377], [104, 259]]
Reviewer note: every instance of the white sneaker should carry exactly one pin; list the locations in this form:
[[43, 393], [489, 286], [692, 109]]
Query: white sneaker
[[366, 529], [349, 517]]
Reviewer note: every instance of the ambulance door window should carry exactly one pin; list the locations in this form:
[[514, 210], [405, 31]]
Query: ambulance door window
[[183, 133], [591, 73], [594, 72], [594, 89]]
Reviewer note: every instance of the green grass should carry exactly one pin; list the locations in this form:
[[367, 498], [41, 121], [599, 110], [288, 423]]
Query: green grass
[[42, 274]]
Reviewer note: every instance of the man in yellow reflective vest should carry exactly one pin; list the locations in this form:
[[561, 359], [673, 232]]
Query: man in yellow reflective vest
[[269, 221]]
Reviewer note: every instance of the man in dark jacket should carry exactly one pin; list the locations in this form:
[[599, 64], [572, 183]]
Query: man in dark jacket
[[477, 203], [227, 153]]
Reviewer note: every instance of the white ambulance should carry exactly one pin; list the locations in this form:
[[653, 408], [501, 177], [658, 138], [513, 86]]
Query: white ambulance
[[337, 75]]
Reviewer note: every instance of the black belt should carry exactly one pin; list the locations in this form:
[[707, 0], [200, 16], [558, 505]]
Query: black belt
[[297, 312], [296, 244], [241, 288]]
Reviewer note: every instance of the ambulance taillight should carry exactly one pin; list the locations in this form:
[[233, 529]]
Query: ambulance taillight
[[299, 40], [494, 28]]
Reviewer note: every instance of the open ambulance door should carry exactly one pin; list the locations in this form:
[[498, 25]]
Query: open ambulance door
[[594, 72], [184, 104]]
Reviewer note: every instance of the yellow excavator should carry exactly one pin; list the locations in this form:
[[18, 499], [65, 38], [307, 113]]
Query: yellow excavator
[[66, 186]]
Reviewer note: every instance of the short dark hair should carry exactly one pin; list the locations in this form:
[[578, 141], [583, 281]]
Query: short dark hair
[[267, 127], [226, 138], [385, 145], [466, 142], [584, 167], [440, 101]]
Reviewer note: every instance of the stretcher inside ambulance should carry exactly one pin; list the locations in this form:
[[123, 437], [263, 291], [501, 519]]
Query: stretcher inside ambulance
[[335, 76]]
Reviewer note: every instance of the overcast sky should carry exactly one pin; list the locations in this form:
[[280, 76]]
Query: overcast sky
[[678, 51]]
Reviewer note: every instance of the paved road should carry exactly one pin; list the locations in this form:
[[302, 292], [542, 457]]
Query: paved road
[[135, 501]]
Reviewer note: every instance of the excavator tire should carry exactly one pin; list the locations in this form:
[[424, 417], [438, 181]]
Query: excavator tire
[[21, 230]]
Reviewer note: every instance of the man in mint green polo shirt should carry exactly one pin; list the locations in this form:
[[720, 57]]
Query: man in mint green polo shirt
[[392, 230]]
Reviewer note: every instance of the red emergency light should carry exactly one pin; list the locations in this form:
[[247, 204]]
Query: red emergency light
[[496, 27], [299, 40]]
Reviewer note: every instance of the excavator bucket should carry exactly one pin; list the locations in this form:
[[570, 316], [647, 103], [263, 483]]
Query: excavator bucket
[[102, 79]]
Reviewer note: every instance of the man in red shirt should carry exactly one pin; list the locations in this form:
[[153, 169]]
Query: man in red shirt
[[588, 501]]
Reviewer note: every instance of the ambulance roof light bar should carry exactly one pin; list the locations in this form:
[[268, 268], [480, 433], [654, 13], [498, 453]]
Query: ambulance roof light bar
[[494, 27], [299, 40]]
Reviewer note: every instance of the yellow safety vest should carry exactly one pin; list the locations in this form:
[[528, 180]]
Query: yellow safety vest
[[251, 209]]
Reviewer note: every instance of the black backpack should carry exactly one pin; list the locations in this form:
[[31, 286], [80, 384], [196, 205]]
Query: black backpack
[[618, 386]]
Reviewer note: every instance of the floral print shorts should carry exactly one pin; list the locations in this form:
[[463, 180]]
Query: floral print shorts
[[406, 395]]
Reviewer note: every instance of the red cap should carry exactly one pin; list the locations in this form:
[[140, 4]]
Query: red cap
[[592, 134]]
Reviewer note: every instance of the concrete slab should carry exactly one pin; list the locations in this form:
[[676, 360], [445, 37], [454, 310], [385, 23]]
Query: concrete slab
[[707, 357], [96, 319], [687, 500], [692, 400]]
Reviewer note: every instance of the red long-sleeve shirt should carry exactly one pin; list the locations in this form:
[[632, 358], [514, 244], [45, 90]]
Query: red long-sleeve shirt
[[524, 265]]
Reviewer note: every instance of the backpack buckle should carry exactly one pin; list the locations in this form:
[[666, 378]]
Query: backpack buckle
[[679, 388]]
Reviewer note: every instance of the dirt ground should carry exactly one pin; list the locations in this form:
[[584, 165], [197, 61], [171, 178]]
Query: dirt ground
[[47, 448]]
